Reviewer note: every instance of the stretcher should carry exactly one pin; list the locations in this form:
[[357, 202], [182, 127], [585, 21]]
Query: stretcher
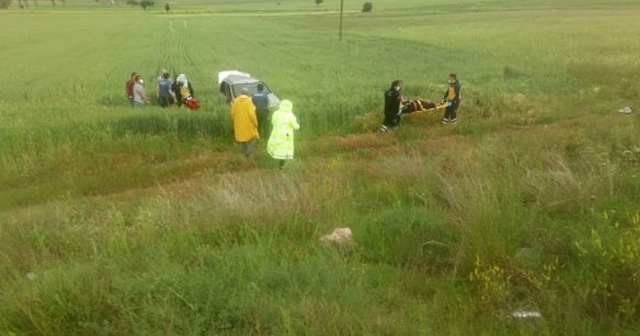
[[421, 106]]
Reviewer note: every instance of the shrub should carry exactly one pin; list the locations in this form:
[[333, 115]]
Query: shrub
[[611, 255], [367, 7], [4, 4]]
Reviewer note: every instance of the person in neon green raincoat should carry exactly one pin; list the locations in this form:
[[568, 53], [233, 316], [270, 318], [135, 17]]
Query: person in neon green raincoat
[[280, 145]]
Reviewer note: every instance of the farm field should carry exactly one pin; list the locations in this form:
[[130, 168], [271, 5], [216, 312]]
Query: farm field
[[523, 219]]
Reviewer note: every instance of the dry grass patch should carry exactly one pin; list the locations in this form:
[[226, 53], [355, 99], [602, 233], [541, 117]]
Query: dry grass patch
[[261, 196]]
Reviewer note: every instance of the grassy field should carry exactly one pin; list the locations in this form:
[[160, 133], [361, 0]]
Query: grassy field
[[116, 221]]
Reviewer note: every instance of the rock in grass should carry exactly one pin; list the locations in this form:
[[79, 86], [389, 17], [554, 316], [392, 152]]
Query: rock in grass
[[339, 236]]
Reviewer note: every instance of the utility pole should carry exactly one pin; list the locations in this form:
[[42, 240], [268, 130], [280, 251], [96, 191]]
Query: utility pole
[[341, 7]]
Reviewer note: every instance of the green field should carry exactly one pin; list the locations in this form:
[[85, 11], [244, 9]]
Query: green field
[[115, 221]]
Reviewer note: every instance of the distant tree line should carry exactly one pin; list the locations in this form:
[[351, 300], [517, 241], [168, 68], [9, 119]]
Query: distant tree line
[[4, 4], [144, 3]]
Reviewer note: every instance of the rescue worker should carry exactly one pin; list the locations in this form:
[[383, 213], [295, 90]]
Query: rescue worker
[[281, 142], [245, 122], [261, 102], [392, 102], [452, 100]]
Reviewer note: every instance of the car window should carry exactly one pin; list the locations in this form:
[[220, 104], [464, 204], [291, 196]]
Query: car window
[[253, 88], [224, 88], [226, 91]]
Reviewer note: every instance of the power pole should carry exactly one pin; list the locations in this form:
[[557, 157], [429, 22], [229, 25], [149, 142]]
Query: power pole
[[341, 7]]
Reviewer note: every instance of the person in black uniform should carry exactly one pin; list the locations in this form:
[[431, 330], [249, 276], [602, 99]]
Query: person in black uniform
[[392, 102], [261, 102]]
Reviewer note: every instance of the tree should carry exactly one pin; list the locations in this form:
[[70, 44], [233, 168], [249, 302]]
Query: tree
[[4, 4], [167, 7], [367, 7], [319, 2], [146, 4]]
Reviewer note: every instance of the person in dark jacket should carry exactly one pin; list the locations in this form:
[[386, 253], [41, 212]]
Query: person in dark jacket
[[175, 88], [452, 100], [392, 102], [260, 100], [164, 92]]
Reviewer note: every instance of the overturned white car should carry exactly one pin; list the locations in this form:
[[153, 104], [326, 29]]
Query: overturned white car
[[231, 82]]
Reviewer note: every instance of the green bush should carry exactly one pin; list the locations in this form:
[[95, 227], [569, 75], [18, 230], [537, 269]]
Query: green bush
[[408, 237], [367, 7]]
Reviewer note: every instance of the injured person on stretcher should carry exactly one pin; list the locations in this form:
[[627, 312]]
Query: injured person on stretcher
[[420, 105]]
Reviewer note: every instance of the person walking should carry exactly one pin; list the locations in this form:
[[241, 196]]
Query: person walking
[[139, 94], [281, 142], [245, 122], [260, 100], [392, 103], [452, 100]]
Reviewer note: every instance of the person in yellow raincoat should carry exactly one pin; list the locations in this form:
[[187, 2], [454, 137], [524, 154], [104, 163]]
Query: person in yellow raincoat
[[245, 122], [280, 144]]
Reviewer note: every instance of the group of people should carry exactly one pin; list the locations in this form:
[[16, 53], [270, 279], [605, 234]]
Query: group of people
[[250, 112], [178, 91], [393, 101], [250, 116]]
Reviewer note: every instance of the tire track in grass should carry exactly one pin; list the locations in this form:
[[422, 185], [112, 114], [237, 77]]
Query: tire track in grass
[[174, 39], [184, 45]]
